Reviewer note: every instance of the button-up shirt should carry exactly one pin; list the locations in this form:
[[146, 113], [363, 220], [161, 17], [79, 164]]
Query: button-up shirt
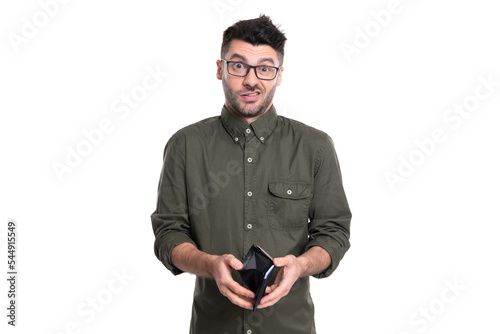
[[227, 185]]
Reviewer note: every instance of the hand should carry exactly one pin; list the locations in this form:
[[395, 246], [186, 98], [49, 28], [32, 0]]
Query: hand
[[221, 271], [288, 275]]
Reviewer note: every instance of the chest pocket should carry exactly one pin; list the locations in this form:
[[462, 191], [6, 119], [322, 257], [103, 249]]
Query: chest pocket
[[288, 204]]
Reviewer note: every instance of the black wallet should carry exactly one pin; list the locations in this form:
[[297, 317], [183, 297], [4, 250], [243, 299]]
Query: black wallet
[[257, 267]]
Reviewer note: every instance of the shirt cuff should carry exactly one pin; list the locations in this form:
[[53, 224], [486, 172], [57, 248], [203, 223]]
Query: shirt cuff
[[164, 247], [333, 248]]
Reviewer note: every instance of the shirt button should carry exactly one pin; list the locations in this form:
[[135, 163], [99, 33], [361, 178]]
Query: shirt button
[[261, 138], [249, 226], [289, 192], [248, 130], [249, 331], [249, 159], [249, 193], [235, 138]]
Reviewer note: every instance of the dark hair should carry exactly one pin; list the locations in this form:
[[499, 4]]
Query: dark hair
[[259, 31]]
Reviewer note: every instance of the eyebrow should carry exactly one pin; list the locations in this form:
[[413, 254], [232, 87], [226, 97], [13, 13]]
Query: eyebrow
[[260, 61]]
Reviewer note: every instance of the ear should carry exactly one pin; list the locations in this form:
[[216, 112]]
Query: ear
[[219, 69], [279, 76]]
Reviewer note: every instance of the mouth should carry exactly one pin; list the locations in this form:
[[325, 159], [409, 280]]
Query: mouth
[[250, 96]]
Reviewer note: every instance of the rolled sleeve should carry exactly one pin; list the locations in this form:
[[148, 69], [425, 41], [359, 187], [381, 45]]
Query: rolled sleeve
[[330, 215], [170, 220]]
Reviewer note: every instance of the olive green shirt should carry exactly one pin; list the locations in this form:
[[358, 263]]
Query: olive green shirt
[[226, 185]]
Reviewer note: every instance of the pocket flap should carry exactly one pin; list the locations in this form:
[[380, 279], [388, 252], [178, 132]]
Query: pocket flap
[[290, 189]]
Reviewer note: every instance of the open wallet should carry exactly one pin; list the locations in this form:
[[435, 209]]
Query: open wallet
[[257, 267]]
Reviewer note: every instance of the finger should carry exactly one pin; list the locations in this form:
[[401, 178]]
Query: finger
[[242, 291], [276, 293], [278, 261], [236, 264], [237, 294], [271, 299], [238, 289], [233, 262], [238, 300], [271, 288], [283, 261]]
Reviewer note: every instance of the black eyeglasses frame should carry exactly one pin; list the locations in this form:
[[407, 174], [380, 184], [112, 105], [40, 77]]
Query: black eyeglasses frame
[[249, 68]]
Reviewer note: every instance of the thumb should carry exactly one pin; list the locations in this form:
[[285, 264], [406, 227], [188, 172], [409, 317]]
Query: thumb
[[235, 263], [280, 261]]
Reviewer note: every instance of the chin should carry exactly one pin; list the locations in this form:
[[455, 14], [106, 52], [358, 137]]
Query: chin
[[251, 113]]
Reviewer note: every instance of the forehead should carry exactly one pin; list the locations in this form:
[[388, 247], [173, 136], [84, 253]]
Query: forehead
[[252, 54]]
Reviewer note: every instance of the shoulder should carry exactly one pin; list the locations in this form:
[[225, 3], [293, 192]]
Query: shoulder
[[193, 132], [303, 130], [200, 129], [313, 140]]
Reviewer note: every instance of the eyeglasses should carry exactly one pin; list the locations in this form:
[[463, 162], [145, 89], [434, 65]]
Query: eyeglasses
[[263, 72]]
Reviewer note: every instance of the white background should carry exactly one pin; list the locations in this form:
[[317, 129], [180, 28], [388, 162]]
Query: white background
[[409, 244]]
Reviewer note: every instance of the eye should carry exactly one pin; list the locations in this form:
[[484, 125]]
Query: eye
[[238, 66], [265, 69]]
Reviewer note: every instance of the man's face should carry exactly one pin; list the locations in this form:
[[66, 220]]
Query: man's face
[[248, 97]]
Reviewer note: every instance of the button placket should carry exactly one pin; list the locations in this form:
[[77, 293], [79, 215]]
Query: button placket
[[249, 188]]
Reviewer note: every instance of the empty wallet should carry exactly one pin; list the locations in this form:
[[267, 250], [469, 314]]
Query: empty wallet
[[257, 266]]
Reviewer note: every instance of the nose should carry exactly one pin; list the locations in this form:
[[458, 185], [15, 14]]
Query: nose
[[251, 79]]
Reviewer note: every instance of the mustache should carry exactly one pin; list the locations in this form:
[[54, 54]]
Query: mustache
[[250, 90]]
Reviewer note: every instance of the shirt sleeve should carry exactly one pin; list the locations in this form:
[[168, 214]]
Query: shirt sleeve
[[330, 216], [170, 220]]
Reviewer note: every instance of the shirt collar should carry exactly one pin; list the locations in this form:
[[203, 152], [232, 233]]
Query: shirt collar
[[237, 128]]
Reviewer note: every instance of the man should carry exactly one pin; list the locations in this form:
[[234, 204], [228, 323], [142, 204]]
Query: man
[[251, 177]]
